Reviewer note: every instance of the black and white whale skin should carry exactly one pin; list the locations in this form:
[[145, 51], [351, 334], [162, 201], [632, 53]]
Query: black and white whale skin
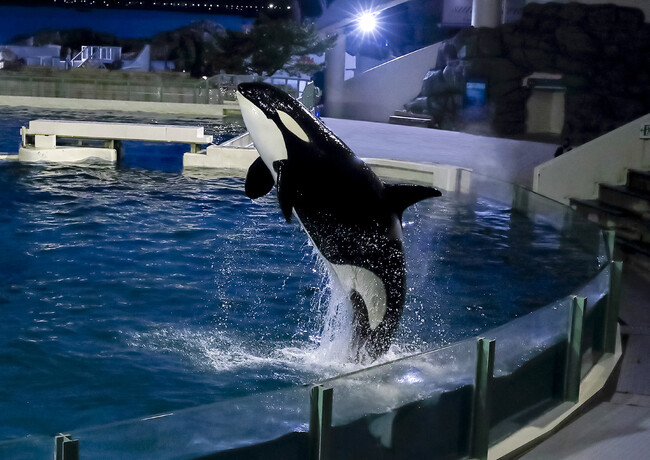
[[351, 216]]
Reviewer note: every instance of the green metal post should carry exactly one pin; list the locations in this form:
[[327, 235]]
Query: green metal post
[[573, 354], [480, 429], [610, 241], [613, 301], [520, 198], [65, 448], [320, 422]]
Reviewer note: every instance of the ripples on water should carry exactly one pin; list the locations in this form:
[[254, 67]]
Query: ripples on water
[[127, 292]]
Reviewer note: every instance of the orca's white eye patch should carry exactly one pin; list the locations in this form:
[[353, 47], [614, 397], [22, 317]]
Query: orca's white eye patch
[[292, 126]]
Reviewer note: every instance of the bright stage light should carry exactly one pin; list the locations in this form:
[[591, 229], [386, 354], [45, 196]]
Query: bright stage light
[[367, 22]]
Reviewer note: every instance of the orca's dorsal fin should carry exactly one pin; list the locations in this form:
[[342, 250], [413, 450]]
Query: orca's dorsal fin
[[286, 187], [259, 180], [401, 196]]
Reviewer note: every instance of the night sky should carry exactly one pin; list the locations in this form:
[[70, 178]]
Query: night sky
[[241, 7], [137, 18], [15, 20]]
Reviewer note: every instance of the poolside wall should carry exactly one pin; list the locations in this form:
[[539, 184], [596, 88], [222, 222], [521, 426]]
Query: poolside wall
[[378, 92], [60, 103]]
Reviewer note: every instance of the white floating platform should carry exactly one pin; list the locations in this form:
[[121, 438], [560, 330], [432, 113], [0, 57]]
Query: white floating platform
[[67, 154], [119, 131], [39, 140], [239, 153], [236, 153]]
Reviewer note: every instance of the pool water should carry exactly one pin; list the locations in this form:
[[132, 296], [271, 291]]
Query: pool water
[[133, 290]]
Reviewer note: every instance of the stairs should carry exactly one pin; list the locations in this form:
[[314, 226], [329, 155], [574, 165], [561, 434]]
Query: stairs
[[625, 209]]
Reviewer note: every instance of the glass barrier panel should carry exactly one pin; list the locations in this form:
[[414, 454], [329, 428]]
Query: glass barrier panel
[[542, 210], [251, 424], [411, 408], [530, 355]]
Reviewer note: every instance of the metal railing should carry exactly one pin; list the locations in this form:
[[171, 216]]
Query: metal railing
[[102, 54]]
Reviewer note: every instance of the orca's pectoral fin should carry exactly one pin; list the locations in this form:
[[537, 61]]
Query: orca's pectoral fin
[[401, 196], [259, 180], [286, 188]]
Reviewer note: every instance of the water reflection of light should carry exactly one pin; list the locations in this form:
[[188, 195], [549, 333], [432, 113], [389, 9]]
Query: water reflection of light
[[410, 378]]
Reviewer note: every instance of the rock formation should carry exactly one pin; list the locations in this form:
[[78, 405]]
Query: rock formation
[[601, 51]]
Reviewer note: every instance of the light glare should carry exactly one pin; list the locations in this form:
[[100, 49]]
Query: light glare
[[367, 22]]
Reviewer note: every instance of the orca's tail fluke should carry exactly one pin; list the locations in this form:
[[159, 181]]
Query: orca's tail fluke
[[365, 341]]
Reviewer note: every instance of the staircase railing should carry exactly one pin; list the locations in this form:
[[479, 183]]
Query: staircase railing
[[101, 53]]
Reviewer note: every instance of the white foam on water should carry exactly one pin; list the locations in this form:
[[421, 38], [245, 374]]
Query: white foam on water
[[326, 352]]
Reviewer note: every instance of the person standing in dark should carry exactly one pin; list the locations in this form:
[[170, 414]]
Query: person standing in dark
[[565, 147]]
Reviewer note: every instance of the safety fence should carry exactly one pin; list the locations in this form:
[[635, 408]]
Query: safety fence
[[218, 89]]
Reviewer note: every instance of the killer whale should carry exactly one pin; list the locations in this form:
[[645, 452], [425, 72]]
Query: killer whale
[[351, 216]]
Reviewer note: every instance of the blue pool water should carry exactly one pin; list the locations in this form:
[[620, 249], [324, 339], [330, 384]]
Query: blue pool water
[[137, 289]]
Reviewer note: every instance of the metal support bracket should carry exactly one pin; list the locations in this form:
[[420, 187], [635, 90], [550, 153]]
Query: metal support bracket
[[610, 241], [65, 448], [320, 422], [480, 428], [613, 301], [573, 354]]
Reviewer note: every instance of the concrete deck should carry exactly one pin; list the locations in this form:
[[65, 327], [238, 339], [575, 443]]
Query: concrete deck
[[505, 159]]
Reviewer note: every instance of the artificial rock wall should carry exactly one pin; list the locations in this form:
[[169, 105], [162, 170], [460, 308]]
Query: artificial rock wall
[[601, 51]]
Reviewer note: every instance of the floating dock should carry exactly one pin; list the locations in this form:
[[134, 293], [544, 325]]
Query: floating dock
[[236, 153], [75, 141]]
